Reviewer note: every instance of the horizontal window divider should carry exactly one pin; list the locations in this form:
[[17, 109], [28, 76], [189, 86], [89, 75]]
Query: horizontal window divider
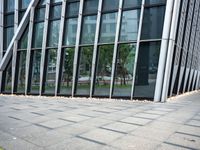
[[55, 19], [154, 5], [9, 26], [99, 44], [55, 4], [109, 11], [86, 45], [131, 8], [126, 42], [151, 40], [72, 46], [90, 14]]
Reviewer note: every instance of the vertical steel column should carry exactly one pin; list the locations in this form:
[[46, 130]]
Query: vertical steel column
[[95, 46], [119, 18], [137, 47], [46, 23], [163, 50], [170, 50], [77, 45], [62, 22], [1, 36], [180, 37], [186, 43], [16, 22], [29, 44]]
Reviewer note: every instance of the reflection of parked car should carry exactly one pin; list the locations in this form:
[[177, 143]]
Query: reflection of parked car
[[84, 80]]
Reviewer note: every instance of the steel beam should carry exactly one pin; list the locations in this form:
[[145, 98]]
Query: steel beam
[[163, 50], [17, 35]]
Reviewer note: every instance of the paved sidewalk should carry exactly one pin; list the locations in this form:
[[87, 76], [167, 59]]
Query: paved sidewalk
[[45, 123]]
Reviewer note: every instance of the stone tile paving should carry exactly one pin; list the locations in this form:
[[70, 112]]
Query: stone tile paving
[[54, 123]]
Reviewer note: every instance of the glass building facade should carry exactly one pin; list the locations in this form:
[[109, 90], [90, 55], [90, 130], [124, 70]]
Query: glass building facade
[[90, 48]]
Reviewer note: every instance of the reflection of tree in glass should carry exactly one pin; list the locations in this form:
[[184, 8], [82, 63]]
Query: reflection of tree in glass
[[104, 62], [68, 66], [125, 62]]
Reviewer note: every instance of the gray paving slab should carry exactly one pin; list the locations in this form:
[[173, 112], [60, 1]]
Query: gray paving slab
[[51, 123]]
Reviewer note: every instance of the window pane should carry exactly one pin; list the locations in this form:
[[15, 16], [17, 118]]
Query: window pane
[[55, 12], [35, 78], [132, 3], [21, 71], [147, 67], [7, 78], [40, 14], [150, 2], [24, 40], [110, 5], [90, 6], [103, 70], [9, 20], [84, 71], [38, 35], [51, 57], [9, 32], [67, 71], [130, 25], [56, 1], [9, 5], [53, 33], [108, 27], [24, 4], [21, 14], [88, 29], [72, 9], [153, 23], [124, 70], [70, 32]]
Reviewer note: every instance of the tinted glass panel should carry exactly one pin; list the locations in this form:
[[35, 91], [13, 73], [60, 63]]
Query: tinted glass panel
[[124, 70], [9, 20], [9, 5], [35, 76], [7, 78], [40, 14], [21, 14], [153, 23], [53, 33], [55, 12], [51, 57], [110, 5], [72, 9], [24, 4], [70, 32], [21, 71], [84, 71], [150, 2], [103, 70], [24, 40], [108, 28], [147, 67], [130, 25], [67, 71], [38, 35], [132, 3], [90, 6], [88, 29], [8, 34]]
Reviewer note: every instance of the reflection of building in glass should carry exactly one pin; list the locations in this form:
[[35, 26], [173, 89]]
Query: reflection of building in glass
[[100, 48]]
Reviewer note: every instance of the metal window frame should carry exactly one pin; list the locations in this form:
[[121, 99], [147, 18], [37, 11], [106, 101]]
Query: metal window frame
[[29, 45], [78, 35], [60, 41], [1, 37], [137, 47], [44, 42]]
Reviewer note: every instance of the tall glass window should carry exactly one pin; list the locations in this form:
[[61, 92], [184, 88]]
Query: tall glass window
[[66, 75], [108, 27], [70, 29], [50, 69], [35, 71], [21, 71], [88, 29], [130, 25], [7, 78], [103, 70], [153, 23], [84, 71], [147, 67], [124, 70], [23, 4]]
